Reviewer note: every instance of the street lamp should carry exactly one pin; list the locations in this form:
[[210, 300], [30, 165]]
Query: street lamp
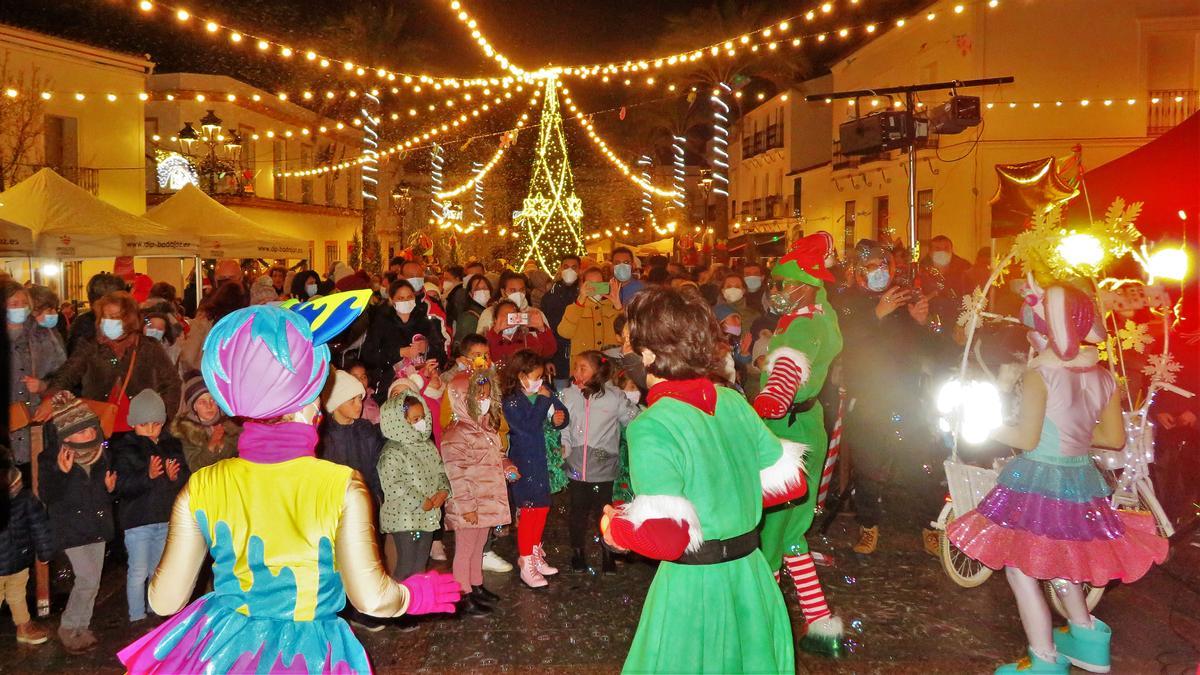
[[401, 200], [221, 151]]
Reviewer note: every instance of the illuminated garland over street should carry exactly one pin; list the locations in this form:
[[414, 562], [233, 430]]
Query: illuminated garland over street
[[679, 173], [720, 160]]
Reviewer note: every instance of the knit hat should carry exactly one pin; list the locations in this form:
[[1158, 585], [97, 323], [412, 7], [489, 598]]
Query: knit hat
[[724, 312], [340, 271], [147, 408], [345, 387], [262, 291], [193, 389], [72, 415]]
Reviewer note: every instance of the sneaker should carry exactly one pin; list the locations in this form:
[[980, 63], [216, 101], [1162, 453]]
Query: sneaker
[[932, 540], [868, 540], [368, 623], [539, 561], [529, 573], [30, 633], [438, 551], [1033, 665], [1086, 648], [492, 562]]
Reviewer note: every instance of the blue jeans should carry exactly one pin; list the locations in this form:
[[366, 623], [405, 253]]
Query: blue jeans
[[145, 547]]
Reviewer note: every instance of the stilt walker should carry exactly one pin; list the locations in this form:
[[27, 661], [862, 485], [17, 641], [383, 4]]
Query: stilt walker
[[805, 344]]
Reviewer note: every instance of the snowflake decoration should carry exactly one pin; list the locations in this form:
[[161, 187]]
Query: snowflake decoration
[[1162, 368], [1037, 248], [1105, 348], [972, 306], [1135, 336]]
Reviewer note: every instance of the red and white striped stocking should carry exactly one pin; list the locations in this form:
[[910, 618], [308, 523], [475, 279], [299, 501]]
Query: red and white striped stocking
[[808, 587], [789, 370]]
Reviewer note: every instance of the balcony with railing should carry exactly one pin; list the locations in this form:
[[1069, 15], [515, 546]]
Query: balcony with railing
[[1168, 108], [756, 143]]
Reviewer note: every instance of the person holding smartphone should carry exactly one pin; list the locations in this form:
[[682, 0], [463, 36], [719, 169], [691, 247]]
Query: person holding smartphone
[[590, 323], [517, 329]]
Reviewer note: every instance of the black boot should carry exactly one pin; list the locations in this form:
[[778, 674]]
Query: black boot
[[471, 606], [483, 595], [579, 561], [608, 564]]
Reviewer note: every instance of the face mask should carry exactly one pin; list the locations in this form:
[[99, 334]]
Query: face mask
[[447, 286], [733, 330], [753, 283], [570, 276], [418, 283], [623, 272], [48, 321], [481, 297], [421, 426], [633, 396], [310, 289], [484, 406], [510, 331], [18, 314], [533, 386], [113, 329], [155, 334], [519, 299], [941, 258], [406, 306], [733, 294], [877, 280]]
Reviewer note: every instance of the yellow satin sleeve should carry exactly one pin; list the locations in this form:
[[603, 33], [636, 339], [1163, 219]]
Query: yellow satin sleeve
[[368, 586], [175, 578]]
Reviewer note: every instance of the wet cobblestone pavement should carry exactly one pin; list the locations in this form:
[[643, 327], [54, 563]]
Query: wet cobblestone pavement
[[902, 614]]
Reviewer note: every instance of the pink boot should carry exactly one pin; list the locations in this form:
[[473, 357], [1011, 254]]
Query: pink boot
[[529, 572], [539, 562]]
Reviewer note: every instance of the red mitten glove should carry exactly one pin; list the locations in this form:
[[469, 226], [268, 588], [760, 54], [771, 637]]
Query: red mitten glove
[[788, 373], [432, 592], [657, 538]]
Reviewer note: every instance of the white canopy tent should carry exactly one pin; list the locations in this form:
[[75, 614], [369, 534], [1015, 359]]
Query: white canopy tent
[[68, 222], [16, 247], [222, 232]]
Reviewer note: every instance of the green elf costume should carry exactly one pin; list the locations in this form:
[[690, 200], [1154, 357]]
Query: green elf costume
[[704, 466], [805, 343]]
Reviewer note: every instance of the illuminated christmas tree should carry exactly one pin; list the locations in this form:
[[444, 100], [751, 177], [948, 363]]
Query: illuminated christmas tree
[[551, 213]]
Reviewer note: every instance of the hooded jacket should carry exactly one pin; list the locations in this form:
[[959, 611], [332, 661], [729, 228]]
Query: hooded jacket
[[474, 464], [357, 446], [27, 532], [410, 470], [593, 436]]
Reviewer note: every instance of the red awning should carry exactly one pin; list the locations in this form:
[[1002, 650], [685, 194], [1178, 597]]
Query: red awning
[[1164, 174]]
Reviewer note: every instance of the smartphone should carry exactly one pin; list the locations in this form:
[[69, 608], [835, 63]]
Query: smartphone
[[601, 288], [518, 319]]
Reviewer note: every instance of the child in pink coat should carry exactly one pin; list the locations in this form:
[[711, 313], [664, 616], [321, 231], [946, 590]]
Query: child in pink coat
[[477, 468]]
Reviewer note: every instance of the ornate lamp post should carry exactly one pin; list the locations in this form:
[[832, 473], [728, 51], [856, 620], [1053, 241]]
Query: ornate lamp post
[[217, 151]]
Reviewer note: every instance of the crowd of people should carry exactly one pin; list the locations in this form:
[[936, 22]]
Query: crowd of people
[[466, 396]]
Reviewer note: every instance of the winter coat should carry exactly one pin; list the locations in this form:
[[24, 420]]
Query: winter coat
[[467, 321], [143, 500], [96, 369], [593, 437], [28, 531], [527, 445], [36, 352], [474, 464], [410, 471], [194, 436], [501, 347], [80, 506], [357, 446], [456, 301], [192, 344], [589, 325], [83, 328], [554, 304], [388, 332]]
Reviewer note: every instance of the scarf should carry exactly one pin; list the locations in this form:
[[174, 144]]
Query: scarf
[[119, 346], [699, 393], [86, 454], [274, 443]]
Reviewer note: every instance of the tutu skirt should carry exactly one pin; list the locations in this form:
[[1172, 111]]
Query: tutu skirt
[[211, 636], [1049, 517]]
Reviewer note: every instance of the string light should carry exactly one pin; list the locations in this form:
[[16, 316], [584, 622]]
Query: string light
[[437, 208], [720, 140], [370, 165], [474, 180], [679, 172], [647, 204], [477, 207]]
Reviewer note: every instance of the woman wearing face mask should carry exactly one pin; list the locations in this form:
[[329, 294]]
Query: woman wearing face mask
[[590, 322], [392, 329], [44, 306], [305, 285], [478, 297], [33, 353], [515, 330], [159, 327], [883, 327], [119, 362], [734, 297]]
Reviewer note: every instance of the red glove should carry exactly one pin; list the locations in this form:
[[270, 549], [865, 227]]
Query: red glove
[[432, 592], [657, 538]]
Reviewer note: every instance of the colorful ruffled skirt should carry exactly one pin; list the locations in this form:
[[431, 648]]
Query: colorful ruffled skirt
[[1049, 516], [211, 636]]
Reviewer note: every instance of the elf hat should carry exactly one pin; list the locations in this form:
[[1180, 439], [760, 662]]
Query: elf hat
[[805, 263]]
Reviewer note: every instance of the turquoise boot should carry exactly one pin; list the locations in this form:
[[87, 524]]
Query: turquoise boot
[[1032, 665], [1086, 648]]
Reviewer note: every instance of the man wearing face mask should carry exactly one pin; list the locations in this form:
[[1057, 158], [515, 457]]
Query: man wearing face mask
[[752, 275], [944, 279], [393, 328], [886, 339], [561, 295], [515, 287], [623, 269]]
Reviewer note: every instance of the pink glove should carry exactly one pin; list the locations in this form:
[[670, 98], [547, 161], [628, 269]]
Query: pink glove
[[432, 592]]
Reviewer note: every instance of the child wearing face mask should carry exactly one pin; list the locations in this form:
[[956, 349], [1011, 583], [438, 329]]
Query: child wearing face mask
[[415, 369], [528, 403], [592, 446], [413, 480]]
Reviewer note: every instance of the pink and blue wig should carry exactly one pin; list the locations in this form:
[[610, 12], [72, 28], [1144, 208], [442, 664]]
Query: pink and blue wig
[[263, 362]]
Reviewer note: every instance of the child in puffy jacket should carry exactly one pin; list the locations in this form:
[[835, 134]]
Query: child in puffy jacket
[[28, 531]]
